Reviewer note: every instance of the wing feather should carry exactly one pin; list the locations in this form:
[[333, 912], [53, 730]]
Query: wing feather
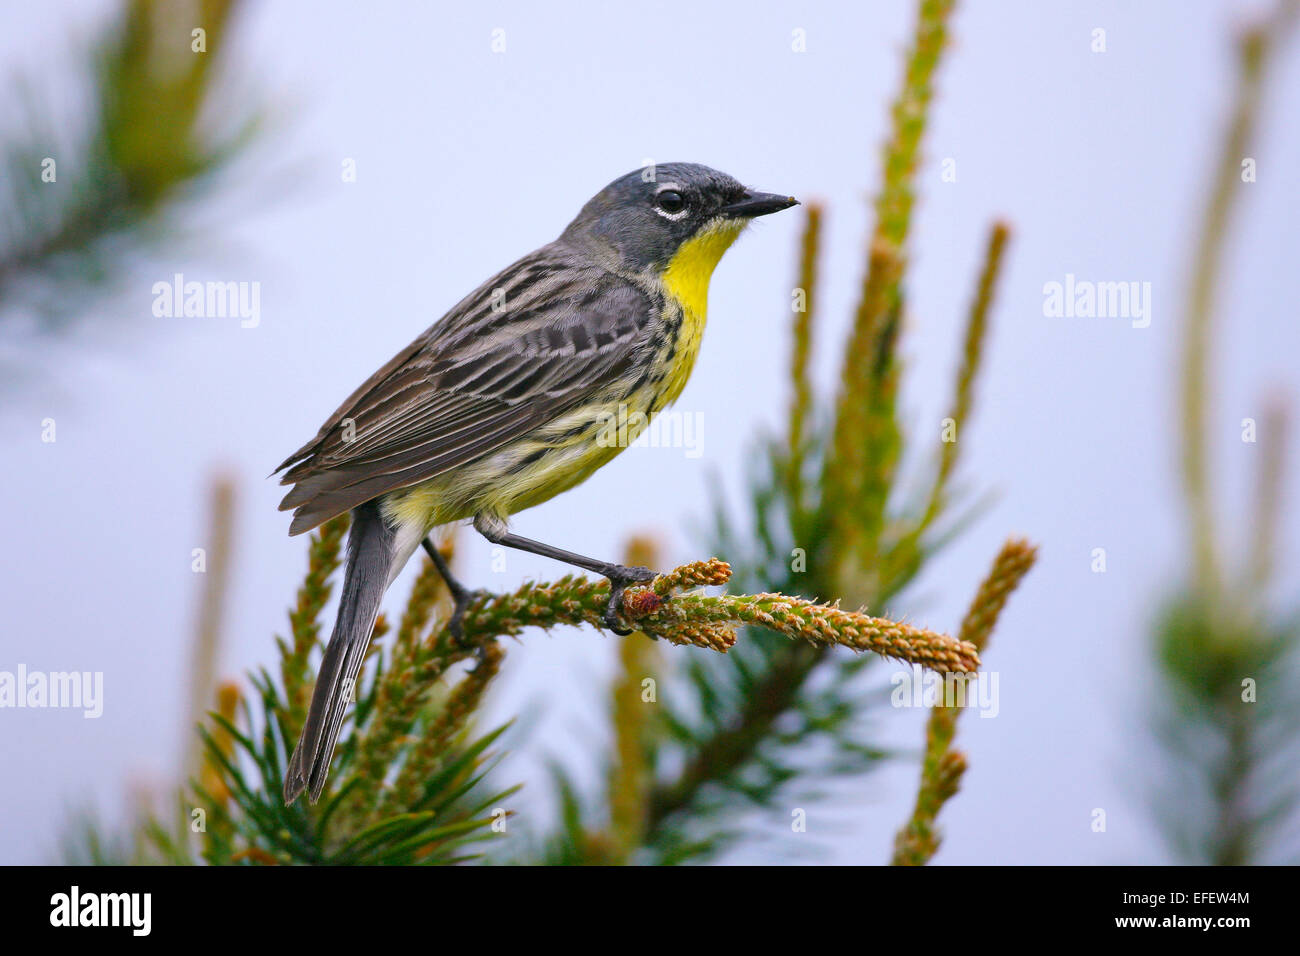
[[474, 382]]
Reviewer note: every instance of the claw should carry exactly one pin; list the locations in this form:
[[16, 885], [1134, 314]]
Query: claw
[[463, 598], [610, 616]]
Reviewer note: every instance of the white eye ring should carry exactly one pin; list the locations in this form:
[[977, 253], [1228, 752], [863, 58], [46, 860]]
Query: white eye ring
[[674, 216]]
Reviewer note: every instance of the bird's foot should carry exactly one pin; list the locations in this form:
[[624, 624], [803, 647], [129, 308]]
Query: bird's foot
[[619, 579], [462, 598]]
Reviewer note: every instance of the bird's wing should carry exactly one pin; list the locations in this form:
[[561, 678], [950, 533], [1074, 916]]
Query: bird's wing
[[477, 380]]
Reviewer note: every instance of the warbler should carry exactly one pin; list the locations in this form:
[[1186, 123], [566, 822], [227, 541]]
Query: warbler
[[503, 402]]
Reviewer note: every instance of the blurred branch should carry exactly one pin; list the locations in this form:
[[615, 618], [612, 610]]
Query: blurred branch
[[1268, 497], [632, 770], [1229, 664], [1253, 56], [212, 605], [209, 773], [147, 150], [719, 757]]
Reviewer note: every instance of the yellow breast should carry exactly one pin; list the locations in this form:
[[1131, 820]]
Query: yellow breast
[[513, 478], [686, 281]]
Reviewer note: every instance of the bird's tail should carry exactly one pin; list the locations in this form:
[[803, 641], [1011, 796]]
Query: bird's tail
[[371, 554]]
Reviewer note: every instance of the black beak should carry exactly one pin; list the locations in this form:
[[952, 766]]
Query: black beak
[[758, 204]]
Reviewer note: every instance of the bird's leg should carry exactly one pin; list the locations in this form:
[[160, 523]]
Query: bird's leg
[[460, 594], [494, 529]]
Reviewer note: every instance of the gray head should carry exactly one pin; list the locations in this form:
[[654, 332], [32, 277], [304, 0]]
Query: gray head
[[646, 216]]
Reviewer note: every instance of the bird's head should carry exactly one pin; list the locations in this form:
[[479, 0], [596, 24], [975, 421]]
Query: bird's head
[[653, 216]]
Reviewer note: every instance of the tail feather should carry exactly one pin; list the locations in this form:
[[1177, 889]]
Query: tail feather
[[371, 554]]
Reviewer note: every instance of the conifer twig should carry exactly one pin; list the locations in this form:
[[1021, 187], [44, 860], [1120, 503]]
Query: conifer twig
[[801, 399], [971, 354], [1009, 568], [709, 620], [455, 712], [865, 443], [942, 767]]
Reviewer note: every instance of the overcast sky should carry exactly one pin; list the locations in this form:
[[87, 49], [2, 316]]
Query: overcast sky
[[466, 159]]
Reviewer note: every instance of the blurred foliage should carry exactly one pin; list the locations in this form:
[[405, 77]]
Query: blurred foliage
[[123, 176], [1228, 793], [408, 785], [1228, 722]]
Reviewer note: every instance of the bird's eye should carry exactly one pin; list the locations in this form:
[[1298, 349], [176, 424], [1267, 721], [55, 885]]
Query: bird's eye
[[670, 200]]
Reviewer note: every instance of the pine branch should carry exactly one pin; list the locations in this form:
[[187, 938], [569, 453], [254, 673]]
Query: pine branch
[[709, 621], [865, 442], [801, 399], [146, 151], [942, 767], [902, 560], [451, 720], [972, 354], [731, 747]]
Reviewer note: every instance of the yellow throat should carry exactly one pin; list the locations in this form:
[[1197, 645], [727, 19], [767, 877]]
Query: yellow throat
[[686, 280]]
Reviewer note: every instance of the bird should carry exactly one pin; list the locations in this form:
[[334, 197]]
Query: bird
[[506, 401]]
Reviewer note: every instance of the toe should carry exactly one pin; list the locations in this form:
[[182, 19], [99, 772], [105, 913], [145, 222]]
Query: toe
[[611, 622]]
